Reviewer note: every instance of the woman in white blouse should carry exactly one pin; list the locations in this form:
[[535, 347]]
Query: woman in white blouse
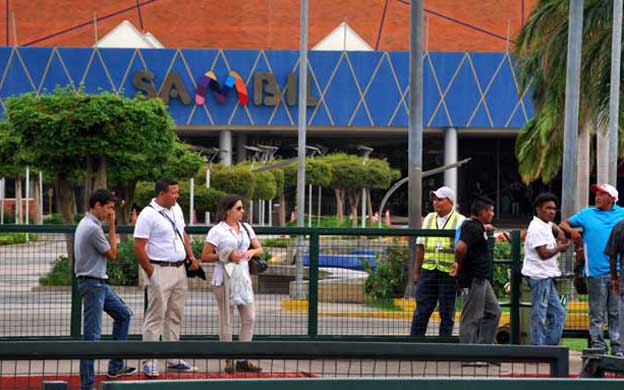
[[231, 244]]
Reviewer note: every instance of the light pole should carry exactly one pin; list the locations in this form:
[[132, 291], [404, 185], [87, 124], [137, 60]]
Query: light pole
[[415, 127], [366, 151], [210, 155], [267, 157], [314, 151]]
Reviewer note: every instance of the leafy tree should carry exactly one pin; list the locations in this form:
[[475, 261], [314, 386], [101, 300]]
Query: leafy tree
[[236, 179], [278, 174], [13, 160], [98, 140], [318, 172], [205, 199], [541, 49], [350, 175], [266, 187]]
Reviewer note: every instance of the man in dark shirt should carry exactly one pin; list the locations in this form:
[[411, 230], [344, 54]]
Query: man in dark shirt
[[480, 312], [615, 251]]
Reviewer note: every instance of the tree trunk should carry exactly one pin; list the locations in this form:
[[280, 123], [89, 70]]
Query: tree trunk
[[369, 204], [354, 202], [339, 204], [582, 173], [19, 209], [88, 184], [281, 210], [602, 155], [37, 196], [67, 202], [100, 177]]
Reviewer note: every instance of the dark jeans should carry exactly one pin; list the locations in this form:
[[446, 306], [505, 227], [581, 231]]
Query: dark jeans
[[98, 297], [433, 287]]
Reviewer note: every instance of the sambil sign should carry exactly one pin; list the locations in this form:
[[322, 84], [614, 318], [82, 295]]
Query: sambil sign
[[266, 90]]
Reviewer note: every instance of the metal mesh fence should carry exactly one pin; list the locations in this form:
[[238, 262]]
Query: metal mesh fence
[[29, 305], [356, 290]]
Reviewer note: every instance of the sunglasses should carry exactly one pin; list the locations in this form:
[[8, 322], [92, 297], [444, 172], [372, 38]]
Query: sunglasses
[[239, 208]]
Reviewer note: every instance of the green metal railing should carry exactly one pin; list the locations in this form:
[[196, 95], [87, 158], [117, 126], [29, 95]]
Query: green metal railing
[[320, 322], [521, 360]]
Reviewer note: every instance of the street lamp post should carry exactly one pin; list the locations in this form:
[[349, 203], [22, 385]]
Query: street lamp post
[[415, 127], [366, 152]]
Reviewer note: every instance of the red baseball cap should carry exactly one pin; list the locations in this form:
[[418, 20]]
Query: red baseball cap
[[607, 189]]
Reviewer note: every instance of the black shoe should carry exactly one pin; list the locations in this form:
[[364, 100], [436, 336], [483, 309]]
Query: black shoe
[[474, 364], [247, 366], [122, 372]]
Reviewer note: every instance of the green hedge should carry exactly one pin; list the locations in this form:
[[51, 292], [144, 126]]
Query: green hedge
[[389, 279], [16, 238]]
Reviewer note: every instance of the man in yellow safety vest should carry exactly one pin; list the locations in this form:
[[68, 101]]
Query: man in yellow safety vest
[[434, 260]]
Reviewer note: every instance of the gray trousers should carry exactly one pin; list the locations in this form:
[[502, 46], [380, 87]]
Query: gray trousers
[[480, 313]]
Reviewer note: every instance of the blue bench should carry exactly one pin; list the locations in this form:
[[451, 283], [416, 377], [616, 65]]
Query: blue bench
[[352, 261]]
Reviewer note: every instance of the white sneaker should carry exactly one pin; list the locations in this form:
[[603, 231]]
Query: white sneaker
[[150, 371]]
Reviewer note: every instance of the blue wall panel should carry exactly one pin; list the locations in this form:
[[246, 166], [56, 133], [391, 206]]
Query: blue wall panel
[[353, 89]]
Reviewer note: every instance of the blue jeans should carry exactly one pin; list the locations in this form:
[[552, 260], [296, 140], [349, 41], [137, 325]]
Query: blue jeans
[[433, 287], [547, 313], [98, 297], [602, 300]]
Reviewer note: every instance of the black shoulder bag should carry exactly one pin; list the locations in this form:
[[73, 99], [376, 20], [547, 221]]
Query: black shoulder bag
[[257, 265], [190, 273]]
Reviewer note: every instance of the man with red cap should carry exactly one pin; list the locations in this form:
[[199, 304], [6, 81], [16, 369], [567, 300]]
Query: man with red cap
[[597, 223]]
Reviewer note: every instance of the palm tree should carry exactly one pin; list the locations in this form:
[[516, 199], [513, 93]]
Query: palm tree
[[541, 49]]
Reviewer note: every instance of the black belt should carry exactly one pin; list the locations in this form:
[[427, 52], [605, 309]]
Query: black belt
[[93, 278], [168, 263]]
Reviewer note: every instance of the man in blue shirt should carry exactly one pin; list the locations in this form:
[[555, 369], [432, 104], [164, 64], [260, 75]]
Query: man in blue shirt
[[597, 223]]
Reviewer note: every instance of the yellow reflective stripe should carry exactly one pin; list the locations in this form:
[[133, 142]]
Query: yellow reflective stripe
[[429, 222]]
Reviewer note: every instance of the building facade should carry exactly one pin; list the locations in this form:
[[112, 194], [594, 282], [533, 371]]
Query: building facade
[[230, 99]]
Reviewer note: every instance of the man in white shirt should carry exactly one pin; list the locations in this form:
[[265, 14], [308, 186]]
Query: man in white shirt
[[541, 251], [161, 246]]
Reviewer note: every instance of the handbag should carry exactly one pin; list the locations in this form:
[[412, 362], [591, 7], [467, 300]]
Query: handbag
[[257, 265], [190, 273]]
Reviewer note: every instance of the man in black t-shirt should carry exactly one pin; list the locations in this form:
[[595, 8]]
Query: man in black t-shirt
[[480, 312]]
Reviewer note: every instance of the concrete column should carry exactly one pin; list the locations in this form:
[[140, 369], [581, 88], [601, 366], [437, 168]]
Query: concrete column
[[241, 152], [225, 144], [450, 156]]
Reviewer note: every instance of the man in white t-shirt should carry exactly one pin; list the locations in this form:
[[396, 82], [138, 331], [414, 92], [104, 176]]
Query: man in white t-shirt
[[161, 246], [541, 251]]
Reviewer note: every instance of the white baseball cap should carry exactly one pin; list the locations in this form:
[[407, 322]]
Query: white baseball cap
[[607, 189], [444, 192]]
